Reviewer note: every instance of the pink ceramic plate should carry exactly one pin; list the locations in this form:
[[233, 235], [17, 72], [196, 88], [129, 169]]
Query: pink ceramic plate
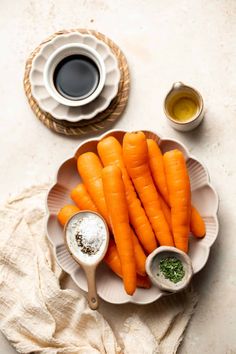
[[110, 287]]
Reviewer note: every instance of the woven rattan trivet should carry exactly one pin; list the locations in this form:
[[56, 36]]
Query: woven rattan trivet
[[103, 119]]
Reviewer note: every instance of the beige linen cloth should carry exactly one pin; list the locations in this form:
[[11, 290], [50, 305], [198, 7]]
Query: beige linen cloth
[[38, 315]]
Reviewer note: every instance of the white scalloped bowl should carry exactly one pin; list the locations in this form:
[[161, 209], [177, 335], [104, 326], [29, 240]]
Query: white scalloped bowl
[[58, 110], [110, 287]]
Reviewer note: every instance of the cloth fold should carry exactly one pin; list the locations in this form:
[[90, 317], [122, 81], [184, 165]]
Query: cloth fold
[[37, 315]]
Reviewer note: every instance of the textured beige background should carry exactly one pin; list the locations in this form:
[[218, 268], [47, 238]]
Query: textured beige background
[[164, 41]]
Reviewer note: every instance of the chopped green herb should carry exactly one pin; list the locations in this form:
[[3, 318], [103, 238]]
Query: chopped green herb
[[172, 269]]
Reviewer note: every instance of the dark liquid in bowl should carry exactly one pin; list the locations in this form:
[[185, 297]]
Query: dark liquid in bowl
[[76, 77]]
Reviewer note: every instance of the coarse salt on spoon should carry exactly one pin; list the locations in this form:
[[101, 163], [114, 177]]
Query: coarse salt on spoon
[[87, 237]]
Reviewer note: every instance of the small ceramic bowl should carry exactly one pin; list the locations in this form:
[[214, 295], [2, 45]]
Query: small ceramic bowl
[[157, 277], [67, 51]]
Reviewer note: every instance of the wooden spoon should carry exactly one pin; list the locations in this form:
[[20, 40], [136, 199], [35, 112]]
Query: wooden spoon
[[88, 262]]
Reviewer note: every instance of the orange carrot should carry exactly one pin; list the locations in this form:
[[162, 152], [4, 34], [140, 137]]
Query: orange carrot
[[114, 192], [82, 199], [92, 177], [157, 168], [166, 211], [180, 196], [156, 163], [143, 282], [140, 257], [110, 152], [90, 170], [113, 261], [66, 213], [197, 225], [80, 195], [135, 152]]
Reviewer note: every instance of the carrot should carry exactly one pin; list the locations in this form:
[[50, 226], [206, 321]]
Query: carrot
[[135, 152], [113, 261], [92, 177], [166, 211], [140, 257], [82, 199], [90, 170], [156, 163], [110, 152], [180, 196], [66, 213], [143, 282], [157, 168], [197, 225], [114, 192]]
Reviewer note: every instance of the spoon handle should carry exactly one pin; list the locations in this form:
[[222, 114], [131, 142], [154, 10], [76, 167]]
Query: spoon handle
[[92, 290]]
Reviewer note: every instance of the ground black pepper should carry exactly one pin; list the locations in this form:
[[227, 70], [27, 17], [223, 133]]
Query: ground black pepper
[[85, 249]]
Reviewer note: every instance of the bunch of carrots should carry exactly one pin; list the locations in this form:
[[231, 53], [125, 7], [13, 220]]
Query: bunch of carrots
[[143, 195]]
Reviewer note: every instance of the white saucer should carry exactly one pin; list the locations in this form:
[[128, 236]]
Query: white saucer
[[74, 114]]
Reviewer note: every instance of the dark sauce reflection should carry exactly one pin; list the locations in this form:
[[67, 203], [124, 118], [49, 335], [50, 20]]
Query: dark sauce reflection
[[76, 77]]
